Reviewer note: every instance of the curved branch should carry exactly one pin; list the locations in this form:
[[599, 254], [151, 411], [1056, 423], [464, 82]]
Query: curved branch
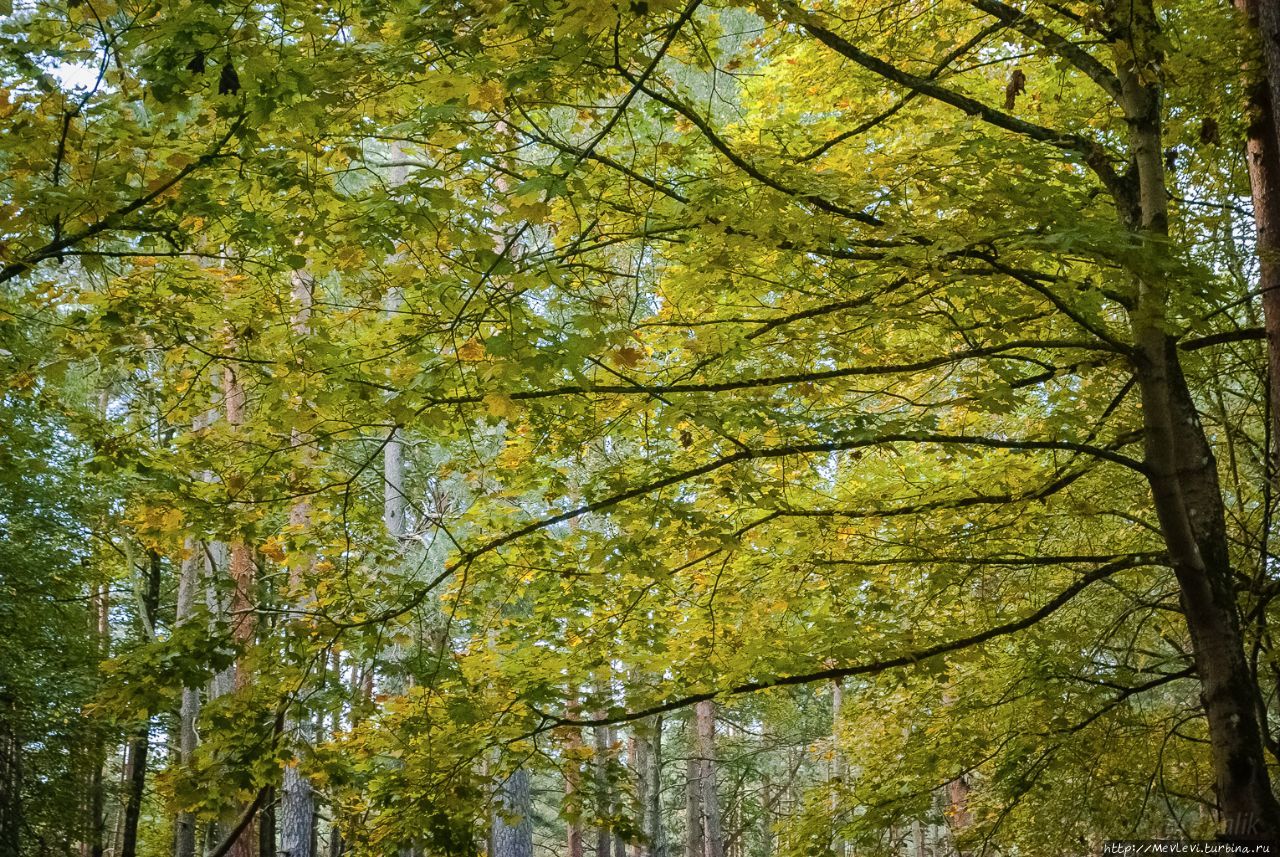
[[1055, 42], [112, 220], [868, 668], [1094, 155]]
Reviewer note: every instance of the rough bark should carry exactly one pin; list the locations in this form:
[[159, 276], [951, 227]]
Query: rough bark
[[604, 834], [693, 839], [572, 782], [512, 831], [638, 753], [1181, 469], [1262, 154], [296, 820], [695, 832], [713, 835]]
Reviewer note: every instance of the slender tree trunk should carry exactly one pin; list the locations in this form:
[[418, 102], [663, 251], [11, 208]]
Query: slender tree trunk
[[615, 802], [655, 830], [267, 824], [638, 753], [242, 572], [572, 780], [837, 766], [1181, 468], [140, 743], [297, 799], [184, 838], [97, 785], [713, 841], [693, 840], [10, 778], [604, 835]]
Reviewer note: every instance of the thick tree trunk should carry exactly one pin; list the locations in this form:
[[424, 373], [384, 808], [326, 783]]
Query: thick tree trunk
[[512, 832], [1184, 483], [1182, 472]]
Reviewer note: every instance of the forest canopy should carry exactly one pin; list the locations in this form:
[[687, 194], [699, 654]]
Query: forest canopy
[[633, 429]]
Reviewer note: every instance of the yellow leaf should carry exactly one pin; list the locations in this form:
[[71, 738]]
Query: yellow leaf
[[628, 357], [501, 406], [471, 351]]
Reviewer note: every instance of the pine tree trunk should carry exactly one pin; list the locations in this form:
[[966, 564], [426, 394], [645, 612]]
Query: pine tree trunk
[[512, 831], [713, 836], [693, 840], [572, 782], [1263, 159], [242, 572], [695, 833], [638, 753]]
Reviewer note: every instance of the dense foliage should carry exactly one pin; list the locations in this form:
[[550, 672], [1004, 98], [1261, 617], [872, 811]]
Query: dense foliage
[[582, 426]]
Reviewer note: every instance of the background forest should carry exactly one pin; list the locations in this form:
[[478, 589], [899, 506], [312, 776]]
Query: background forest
[[637, 429]]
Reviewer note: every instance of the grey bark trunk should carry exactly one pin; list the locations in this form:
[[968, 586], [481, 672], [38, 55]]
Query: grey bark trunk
[[654, 829], [296, 821], [694, 832], [184, 836], [604, 835], [512, 832], [713, 836], [638, 750]]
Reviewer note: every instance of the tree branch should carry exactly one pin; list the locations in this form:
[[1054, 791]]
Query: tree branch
[[868, 668]]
